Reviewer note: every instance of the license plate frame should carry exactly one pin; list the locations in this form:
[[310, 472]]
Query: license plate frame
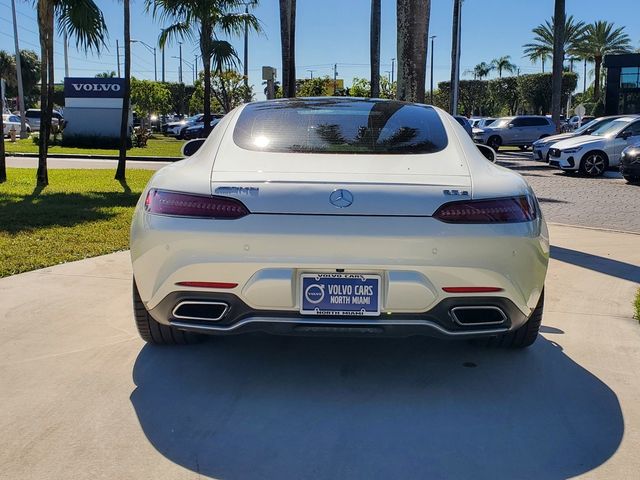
[[340, 294]]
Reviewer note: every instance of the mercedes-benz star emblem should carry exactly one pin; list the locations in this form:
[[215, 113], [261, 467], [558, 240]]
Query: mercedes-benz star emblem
[[341, 198]]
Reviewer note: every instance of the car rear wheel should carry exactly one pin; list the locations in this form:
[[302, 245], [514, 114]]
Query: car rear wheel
[[494, 142], [525, 335], [594, 164], [154, 332]]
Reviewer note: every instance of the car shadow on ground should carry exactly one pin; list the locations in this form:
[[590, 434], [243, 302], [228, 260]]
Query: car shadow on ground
[[252, 407], [608, 266]]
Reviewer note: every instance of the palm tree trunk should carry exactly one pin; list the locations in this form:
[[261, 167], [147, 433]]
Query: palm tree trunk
[[124, 119], [287, 40], [374, 46], [413, 31], [558, 60], [542, 64], [3, 163], [597, 60], [205, 51], [45, 27], [455, 61]]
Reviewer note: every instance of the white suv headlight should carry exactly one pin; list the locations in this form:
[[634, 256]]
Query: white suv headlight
[[572, 150]]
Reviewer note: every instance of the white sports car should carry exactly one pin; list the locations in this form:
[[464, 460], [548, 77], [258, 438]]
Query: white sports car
[[338, 216]]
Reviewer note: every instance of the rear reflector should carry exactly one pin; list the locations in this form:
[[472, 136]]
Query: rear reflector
[[207, 284], [471, 289], [499, 210], [188, 205]]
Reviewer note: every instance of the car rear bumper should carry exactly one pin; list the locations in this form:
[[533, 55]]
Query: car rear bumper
[[442, 320], [265, 256]]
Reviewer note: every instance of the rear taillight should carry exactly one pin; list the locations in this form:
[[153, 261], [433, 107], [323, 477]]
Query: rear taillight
[[188, 205], [499, 210]]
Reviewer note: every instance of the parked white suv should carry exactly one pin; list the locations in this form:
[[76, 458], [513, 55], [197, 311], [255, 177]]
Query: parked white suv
[[593, 154], [520, 131]]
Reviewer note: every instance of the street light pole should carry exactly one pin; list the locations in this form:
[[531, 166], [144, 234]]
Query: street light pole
[[118, 56], [393, 68], [431, 89], [335, 78], [23, 127], [152, 50], [180, 70]]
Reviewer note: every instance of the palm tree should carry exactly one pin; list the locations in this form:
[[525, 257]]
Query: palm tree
[[558, 61], [204, 20], [412, 33], [542, 46], [503, 64], [374, 46], [481, 70], [601, 38], [288, 47], [8, 74], [124, 119], [80, 19]]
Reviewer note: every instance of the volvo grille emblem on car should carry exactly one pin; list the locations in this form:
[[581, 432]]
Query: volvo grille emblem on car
[[341, 198]]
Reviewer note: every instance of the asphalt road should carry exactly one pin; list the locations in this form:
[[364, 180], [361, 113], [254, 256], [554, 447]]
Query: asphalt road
[[607, 202], [83, 397]]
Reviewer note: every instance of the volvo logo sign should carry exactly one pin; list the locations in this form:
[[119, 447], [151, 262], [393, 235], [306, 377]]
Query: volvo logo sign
[[341, 198], [96, 87]]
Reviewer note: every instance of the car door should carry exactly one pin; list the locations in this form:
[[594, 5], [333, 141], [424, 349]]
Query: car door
[[514, 131], [619, 143]]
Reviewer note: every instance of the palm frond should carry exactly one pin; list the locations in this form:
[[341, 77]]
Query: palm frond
[[84, 21]]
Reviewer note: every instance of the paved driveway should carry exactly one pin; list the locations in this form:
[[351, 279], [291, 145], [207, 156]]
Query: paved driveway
[[82, 397], [607, 202]]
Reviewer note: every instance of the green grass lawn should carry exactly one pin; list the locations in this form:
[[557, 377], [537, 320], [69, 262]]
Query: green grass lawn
[[82, 213], [637, 305], [158, 146]]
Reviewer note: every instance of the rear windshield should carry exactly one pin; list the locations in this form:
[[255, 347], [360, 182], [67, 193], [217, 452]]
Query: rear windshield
[[332, 125]]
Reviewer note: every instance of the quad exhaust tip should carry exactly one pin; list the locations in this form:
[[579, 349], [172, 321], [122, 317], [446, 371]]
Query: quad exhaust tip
[[477, 315], [200, 310]]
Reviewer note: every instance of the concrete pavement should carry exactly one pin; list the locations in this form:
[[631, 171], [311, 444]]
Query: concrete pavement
[[83, 397]]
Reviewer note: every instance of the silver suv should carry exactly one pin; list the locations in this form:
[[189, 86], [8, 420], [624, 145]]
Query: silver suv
[[519, 131]]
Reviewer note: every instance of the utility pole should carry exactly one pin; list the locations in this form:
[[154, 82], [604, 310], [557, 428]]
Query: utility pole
[[66, 55], [162, 48], [118, 56], [311, 73], [23, 127], [455, 55], [335, 78], [246, 46], [431, 89], [180, 70], [393, 69]]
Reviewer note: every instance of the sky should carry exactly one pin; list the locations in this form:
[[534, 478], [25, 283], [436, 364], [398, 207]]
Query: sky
[[328, 32]]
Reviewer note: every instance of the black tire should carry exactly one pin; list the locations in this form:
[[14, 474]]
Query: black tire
[[494, 142], [157, 333], [594, 164], [631, 179], [525, 335]]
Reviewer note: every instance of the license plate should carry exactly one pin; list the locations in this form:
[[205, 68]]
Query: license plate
[[339, 294]]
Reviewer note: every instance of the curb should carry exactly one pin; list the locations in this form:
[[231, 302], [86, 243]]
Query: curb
[[95, 157], [584, 227]]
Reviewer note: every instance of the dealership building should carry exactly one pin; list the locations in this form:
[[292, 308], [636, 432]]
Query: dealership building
[[622, 93]]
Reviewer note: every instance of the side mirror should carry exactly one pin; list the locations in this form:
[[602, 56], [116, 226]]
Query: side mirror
[[511, 125], [626, 134], [192, 146], [488, 152]]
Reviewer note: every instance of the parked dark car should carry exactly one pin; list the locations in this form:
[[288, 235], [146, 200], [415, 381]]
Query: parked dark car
[[197, 130], [464, 121], [630, 164]]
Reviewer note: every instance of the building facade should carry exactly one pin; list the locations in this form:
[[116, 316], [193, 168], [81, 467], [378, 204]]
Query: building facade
[[622, 93]]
